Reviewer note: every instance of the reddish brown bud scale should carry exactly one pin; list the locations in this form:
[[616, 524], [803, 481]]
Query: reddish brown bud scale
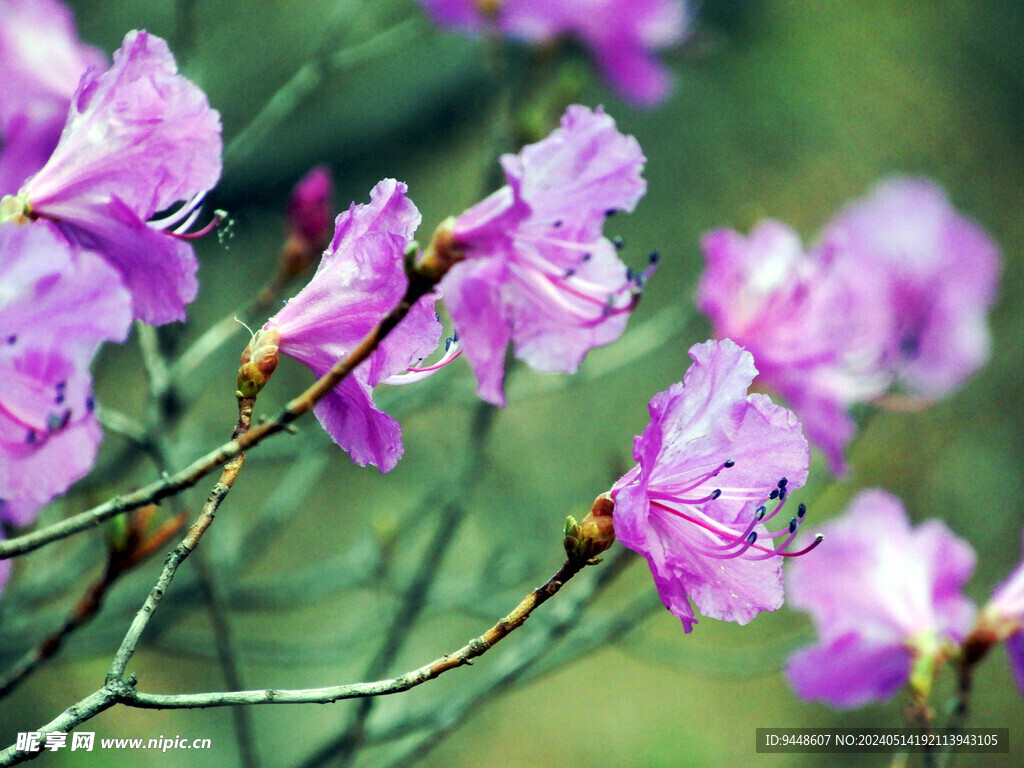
[[258, 363]]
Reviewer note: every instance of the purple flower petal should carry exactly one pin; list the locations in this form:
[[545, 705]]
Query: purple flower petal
[[460, 14], [623, 35], [139, 131], [311, 206], [350, 417], [1015, 653], [897, 292], [139, 138], [473, 297], [941, 270], [1006, 612], [359, 280], [31, 475], [159, 271], [56, 306], [1008, 598], [41, 61], [849, 671]]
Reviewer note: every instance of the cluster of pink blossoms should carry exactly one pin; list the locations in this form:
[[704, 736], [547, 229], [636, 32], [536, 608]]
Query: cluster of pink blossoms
[[621, 35], [530, 266], [90, 154], [896, 293], [533, 268]]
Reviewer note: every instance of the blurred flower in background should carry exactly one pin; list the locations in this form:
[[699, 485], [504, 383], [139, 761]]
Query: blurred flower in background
[[886, 600], [896, 293], [1004, 614], [310, 213], [623, 36]]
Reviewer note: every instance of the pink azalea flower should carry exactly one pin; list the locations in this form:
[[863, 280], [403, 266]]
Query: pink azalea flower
[[1005, 612], [139, 138], [622, 35], [712, 460], [881, 595], [537, 270], [41, 61], [360, 279], [897, 293], [56, 307]]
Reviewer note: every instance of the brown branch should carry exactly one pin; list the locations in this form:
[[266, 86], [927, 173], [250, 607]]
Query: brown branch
[[459, 658], [118, 690]]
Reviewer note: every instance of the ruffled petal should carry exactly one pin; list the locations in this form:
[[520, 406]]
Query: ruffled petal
[[849, 671], [159, 271], [32, 475], [472, 293], [139, 131], [359, 280], [369, 435]]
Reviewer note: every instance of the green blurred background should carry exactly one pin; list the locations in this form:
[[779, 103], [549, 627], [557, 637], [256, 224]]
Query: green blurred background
[[781, 109]]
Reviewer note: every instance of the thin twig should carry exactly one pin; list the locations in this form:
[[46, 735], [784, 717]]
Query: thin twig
[[192, 474], [346, 745], [185, 548], [226, 654], [515, 666], [119, 690], [118, 564], [459, 658]]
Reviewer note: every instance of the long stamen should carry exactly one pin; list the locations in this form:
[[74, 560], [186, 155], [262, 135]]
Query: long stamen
[[694, 482], [184, 226], [452, 351], [218, 217], [818, 538], [733, 543], [542, 284], [716, 531], [187, 208]]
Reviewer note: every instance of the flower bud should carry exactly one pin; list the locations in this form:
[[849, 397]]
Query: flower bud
[[15, 209], [310, 215], [259, 360], [587, 539]]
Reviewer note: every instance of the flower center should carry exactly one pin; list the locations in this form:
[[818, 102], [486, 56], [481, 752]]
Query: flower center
[[731, 540], [569, 289]]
